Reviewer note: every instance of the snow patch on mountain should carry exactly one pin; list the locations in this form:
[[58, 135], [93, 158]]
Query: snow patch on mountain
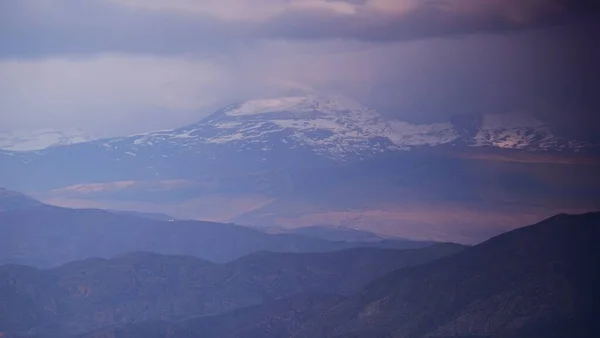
[[338, 123], [516, 131], [41, 139], [331, 126], [409, 135], [340, 128]]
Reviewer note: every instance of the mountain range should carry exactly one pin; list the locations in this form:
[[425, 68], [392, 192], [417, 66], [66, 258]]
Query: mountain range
[[137, 286], [331, 126], [311, 160], [537, 281], [273, 134], [46, 236]]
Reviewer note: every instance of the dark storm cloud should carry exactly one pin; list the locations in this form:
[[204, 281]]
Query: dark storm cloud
[[68, 27], [552, 73], [122, 66], [431, 18]]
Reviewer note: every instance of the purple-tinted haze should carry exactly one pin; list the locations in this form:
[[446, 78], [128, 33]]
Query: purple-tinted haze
[[124, 66]]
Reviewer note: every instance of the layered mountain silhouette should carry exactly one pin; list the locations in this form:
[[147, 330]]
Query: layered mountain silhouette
[[537, 281], [47, 236], [139, 286]]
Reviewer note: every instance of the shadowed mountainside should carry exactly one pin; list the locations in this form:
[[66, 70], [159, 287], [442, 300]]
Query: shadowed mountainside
[[538, 281], [139, 286]]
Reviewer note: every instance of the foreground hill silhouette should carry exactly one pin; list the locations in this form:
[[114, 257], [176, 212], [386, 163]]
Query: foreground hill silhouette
[[47, 236], [538, 281], [138, 286]]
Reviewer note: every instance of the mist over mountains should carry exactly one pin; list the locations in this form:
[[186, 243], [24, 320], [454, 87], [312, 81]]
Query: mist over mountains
[[325, 160], [95, 273], [47, 236]]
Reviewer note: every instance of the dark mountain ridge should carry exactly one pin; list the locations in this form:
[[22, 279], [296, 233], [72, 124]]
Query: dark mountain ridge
[[140, 286], [540, 275], [538, 281]]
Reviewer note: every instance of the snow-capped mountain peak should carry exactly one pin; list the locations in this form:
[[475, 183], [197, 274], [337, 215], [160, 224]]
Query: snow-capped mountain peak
[[330, 126], [41, 139], [339, 128]]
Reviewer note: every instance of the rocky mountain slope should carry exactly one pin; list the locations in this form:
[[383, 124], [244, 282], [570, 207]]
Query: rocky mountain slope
[[538, 281], [138, 286]]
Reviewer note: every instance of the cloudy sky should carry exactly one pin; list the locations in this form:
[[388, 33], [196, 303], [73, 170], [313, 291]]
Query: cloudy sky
[[123, 66]]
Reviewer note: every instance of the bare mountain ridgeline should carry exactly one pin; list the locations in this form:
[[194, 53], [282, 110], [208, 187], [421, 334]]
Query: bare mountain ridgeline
[[537, 281], [136, 287], [46, 236]]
